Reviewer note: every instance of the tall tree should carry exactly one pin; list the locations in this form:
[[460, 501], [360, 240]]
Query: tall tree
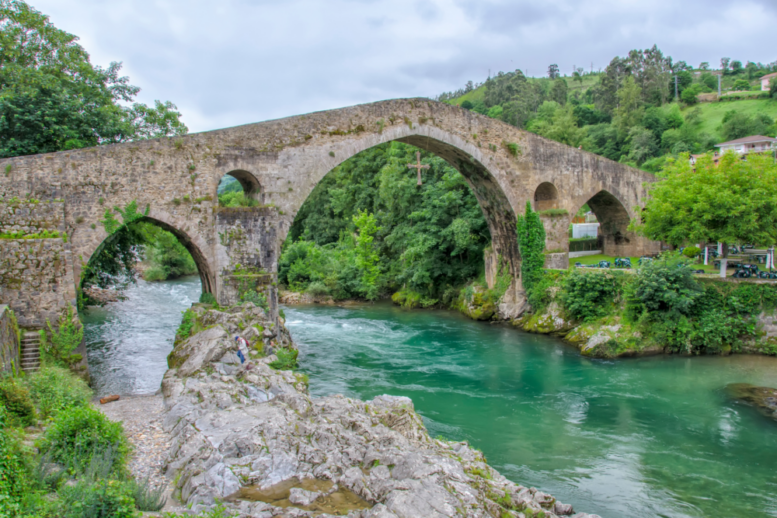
[[553, 72], [52, 98], [733, 202], [629, 111]]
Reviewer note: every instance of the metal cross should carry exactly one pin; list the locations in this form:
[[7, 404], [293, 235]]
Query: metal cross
[[418, 166]]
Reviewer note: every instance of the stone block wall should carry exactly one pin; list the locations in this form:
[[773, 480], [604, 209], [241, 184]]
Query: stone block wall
[[36, 275], [31, 217], [9, 340], [36, 279], [249, 252]]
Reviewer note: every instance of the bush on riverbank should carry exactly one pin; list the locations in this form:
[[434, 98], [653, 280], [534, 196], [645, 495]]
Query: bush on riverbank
[[660, 307], [80, 469]]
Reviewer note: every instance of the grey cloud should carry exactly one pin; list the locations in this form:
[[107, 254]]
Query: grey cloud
[[241, 61]]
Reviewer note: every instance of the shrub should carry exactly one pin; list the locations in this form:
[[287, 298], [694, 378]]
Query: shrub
[[54, 389], [59, 345], [154, 274], [287, 360], [14, 475], [207, 298], [146, 499], [691, 252], [667, 284], [17, 401], [187, 324], [100, 499], [78, 435], [588, 296], [318, 289], [540, 295]]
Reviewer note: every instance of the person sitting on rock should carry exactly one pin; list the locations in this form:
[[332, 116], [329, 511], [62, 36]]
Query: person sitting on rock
[[242, 349]]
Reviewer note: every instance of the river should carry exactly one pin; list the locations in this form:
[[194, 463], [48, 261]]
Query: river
[[622, 438]]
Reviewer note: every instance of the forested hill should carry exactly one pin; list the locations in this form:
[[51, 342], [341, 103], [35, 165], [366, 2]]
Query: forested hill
[[629, 112]]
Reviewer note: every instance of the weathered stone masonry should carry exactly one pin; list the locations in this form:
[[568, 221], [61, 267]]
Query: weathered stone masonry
[[36, 275], [279, 163]]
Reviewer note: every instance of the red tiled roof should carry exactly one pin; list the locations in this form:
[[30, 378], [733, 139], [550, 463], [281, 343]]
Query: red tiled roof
[[748, 140]]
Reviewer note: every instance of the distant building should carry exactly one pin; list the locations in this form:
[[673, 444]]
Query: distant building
[[754, 144], [765, 81], [743, 146]]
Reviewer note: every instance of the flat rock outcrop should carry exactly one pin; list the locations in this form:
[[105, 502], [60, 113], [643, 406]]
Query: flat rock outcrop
[[235, 425]]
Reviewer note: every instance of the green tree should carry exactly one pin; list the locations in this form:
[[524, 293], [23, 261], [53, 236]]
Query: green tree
[[742, 85], [629, 111], [690, 95], [642, 144], [709, 80], [52, 98], [366, 256], [559, 91], [531, 242], [724, 65], [733, 202]]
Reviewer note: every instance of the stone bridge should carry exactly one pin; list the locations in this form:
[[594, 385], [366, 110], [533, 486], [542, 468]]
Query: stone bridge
[[279, 163]]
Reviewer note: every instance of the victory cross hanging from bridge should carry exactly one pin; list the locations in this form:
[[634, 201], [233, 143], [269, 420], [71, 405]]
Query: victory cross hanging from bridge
[[418, 166]]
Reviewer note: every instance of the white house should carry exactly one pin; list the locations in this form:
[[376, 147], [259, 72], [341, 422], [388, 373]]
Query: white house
[[765, 81], [755, 144]]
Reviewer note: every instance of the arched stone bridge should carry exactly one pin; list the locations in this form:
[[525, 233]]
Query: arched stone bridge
[[278, 163]]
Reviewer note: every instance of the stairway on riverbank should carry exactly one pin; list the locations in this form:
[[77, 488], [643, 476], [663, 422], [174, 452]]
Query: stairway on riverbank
[[30, 352]]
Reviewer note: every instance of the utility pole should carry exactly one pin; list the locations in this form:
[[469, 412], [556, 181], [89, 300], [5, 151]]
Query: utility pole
[[719, 78]]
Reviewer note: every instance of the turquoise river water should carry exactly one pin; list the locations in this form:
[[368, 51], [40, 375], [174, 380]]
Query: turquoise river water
[[624, 438]]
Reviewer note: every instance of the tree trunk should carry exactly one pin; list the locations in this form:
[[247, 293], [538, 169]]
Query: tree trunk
[[723, 259]]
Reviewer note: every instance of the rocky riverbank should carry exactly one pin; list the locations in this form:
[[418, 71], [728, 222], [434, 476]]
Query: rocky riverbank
[[252, 435]]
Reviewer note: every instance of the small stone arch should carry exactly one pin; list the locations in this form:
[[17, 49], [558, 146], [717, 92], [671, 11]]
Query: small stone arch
[[614, 219], [251, 186], [545, 197], [193, 243]]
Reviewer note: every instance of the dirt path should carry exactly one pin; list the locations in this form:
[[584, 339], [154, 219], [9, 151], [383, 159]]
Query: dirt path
[[142, 419]]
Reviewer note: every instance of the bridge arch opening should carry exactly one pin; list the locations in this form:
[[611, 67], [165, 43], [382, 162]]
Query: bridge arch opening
[[148, 247], [607, 231], [239, 188], [545, 197], [432, 236]]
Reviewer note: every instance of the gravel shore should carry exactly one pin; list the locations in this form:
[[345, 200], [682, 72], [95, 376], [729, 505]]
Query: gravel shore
[[142, 419]]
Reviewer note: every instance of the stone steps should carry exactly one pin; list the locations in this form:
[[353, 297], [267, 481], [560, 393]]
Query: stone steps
[[30, 352]]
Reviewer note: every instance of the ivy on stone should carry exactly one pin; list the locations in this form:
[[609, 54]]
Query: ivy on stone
[[531, 242]]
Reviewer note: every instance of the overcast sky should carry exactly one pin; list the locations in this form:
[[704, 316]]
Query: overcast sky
[[230, 62]]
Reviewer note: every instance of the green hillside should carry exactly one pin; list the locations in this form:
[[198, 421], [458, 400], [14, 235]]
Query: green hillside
[[712, 113]]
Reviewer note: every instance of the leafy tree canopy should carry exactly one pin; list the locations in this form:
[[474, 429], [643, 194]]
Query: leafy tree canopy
[[52, 98], [733, 202]]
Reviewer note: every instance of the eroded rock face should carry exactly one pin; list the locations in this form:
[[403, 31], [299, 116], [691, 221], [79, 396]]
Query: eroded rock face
[[234, 426]]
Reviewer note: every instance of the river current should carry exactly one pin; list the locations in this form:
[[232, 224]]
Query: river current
[[621, 438]]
